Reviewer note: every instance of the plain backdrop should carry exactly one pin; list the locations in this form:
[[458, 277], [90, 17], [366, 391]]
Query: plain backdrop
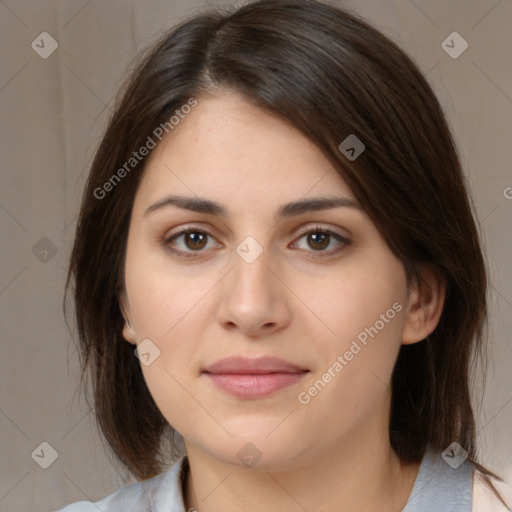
[[53, 110]]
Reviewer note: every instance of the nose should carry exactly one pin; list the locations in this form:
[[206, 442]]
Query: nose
[[253, 298]]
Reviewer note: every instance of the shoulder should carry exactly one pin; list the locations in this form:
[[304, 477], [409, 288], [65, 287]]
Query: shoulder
[[484, 500], [152, 494]]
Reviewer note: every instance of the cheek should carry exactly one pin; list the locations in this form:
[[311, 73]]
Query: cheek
[[162, 299], [365, 312], [367, 301], [354, 380], [165, 310]]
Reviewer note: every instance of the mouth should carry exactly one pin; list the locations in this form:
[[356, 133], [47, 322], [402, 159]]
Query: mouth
[[253, 378]]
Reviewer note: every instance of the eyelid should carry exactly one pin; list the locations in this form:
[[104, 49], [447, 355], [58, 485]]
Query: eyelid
[[183, 228], [317, 227]]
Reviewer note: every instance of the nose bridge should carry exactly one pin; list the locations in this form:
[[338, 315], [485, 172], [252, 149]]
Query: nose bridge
[[251, 298], [251, 274]]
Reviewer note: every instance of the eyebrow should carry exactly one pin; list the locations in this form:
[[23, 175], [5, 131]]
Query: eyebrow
[[202, 205]]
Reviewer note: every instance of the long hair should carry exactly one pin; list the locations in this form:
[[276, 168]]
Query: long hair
[[330, 74]]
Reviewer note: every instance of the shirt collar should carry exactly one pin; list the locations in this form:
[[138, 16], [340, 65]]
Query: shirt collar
[[170, 494]]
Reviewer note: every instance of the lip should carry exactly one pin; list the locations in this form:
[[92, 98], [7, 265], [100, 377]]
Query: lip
[[256, 366], [253, 378]]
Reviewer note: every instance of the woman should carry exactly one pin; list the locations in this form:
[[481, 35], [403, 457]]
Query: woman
[[277, 262]]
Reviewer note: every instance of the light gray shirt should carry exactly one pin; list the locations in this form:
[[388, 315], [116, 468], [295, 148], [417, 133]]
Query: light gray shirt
[[437, 488]]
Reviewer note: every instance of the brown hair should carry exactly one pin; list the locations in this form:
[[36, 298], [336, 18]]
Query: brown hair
[[329, 74]]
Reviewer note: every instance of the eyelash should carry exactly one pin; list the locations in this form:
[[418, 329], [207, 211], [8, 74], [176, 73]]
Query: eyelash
[[317, 229]]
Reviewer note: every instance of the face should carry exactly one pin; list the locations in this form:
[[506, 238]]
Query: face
[[318, 289]]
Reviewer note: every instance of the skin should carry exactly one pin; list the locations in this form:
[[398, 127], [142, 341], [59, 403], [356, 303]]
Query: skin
[[291, 302]]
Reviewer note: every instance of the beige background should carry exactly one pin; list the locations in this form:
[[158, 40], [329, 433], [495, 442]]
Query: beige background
[[52, 113]]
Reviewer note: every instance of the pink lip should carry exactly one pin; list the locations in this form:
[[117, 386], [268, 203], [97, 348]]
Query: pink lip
[[253, 378]]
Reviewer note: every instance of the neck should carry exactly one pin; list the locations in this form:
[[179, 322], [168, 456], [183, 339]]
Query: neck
[[357, 475]]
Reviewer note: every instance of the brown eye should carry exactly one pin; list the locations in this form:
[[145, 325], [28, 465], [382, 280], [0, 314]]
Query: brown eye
[[195, 240], [318, 241], [189, 243]]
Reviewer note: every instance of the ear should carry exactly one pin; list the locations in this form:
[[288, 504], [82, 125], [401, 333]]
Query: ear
[[425, 305], [128, 332]]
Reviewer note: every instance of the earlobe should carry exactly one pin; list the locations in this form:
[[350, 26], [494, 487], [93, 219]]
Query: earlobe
[[128, 332], [425, 305]]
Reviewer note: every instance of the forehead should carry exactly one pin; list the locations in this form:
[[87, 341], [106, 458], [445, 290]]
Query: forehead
[[230, 149]]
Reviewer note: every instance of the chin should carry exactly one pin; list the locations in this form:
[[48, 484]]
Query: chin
[[260, 452]]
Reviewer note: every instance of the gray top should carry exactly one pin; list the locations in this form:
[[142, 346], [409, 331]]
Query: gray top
[[438, 487]]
